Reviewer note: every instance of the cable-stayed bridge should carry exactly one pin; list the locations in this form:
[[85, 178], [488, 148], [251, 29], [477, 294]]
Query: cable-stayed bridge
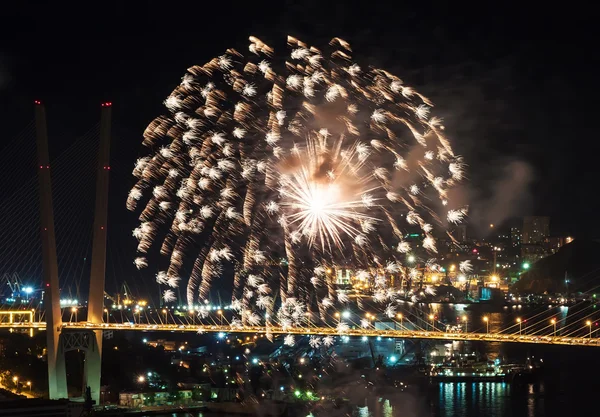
[[321, 332], [77, 255]]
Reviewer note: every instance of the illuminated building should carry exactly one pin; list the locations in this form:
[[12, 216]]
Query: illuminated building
[[515, 236], [535, 229]]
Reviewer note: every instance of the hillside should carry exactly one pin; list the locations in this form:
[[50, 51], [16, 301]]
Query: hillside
[[580, 260]]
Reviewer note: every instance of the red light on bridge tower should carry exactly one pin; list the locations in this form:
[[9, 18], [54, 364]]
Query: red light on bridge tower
[[37, 102], [107, 104]]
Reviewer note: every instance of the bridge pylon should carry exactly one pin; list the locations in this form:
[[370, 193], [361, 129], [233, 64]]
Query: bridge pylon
[[57, 377], [88, 340], [93, 361]]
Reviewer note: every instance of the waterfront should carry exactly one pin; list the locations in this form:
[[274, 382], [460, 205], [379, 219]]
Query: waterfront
[[568, 386]]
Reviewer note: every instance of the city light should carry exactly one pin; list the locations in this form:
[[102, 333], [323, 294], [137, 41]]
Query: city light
[[411, 258], [393, 359], [141, 379], [27, 290], [346, 314], [526, 265]]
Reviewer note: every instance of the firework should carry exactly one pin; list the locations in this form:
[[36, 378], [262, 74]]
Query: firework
[[273, 170]]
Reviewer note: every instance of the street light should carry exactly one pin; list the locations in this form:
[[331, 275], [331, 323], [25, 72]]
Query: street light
[[165, 313], [487, 323], [139, 313], [141, 379], [220, 313], [589, 323], [29, 385], [464, 318], [15, 380], [411, 258], [399, 315], [106, 311], [553, 321], [74, 310], [431, 317], [520, 324], [337, 316]]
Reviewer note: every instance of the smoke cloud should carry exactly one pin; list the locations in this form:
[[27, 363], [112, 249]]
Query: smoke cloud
[[506, 196]]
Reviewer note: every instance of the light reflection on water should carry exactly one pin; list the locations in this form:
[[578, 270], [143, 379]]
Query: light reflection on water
[[568, 387]]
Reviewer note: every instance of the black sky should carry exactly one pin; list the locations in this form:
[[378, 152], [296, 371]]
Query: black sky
[[515, 83]]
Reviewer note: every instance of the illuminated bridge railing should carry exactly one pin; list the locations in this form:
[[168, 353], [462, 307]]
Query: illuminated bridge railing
[[320, 331]]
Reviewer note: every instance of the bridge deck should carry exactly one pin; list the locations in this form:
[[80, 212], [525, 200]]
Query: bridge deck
[[320, 331]]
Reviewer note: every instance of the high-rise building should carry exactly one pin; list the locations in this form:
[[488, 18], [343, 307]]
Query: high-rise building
[[535, 230], [460, 233], [515, 236]]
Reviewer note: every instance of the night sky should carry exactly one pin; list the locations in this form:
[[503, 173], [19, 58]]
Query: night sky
[[515, 85]]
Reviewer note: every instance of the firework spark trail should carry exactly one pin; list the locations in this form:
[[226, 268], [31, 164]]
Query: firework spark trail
[[310, 158]]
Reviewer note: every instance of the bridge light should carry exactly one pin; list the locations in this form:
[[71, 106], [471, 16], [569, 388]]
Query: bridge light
[[393, 359], [346, 314]]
